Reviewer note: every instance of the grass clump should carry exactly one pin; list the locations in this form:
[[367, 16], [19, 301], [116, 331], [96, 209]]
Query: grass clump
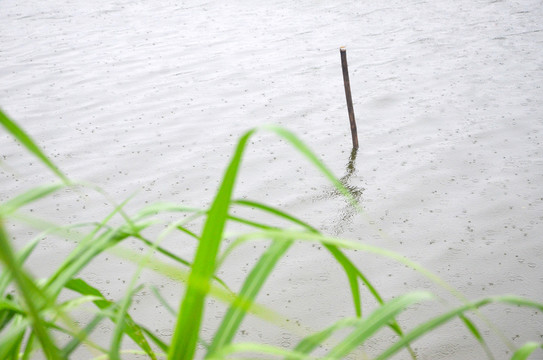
[[33, 317]]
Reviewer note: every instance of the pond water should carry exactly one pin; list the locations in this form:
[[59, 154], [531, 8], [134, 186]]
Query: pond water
[[151, 97]]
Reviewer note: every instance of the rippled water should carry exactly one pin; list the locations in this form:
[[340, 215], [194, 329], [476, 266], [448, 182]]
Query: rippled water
[[152, 96]]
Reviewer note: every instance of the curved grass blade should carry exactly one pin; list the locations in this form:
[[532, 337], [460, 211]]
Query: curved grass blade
[[11, 340], [219, 293], [180, 227], [349, 244], [274, 211], [88, 249], [311, 342], [8, 310], [350, 269], [78, 338], [304, 150], [442, 319], [252, 285], [476, 334], [29, 347], [526, 350], [130, 327], [30, 294], [377, 320], [257, 348], [119, 319], [171, 310], [28, 197], [190, 314], [5, 277], [161, 344], [156, 208], [163, 301], [31, 146]]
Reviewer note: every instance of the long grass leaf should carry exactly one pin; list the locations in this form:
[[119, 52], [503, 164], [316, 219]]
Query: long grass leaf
[[377, 320], [276, 212], [8, 310], [191, 310], [22, 255], [526, 350], [163, 301], [30, 294], [161, 344], [350, 269], [310, 155], [132, 329], [353, 245], [476, 334], [30, 145], [28, 197], [257, 348], [78, 338], [442, 319], [311, 342], [157, 208], [250, 289], [10, 341], [118, 332], [86, 251], [219, 293]]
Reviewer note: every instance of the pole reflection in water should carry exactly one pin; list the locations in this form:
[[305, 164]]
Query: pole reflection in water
[[346, 213]]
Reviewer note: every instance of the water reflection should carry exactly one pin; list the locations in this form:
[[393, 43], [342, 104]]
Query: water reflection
[[348, 211]]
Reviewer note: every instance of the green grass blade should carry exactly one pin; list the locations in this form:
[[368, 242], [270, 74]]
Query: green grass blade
[[257, 348], [69, 348], [161, 344], [157, 208], [276, 212], [350, 269], [219, 293], [355, 292], [28, 197], [130, 327], [250, 289], [163, 301], [311, 342], [87, 250], [442, 319], [304, 150], [377, 320], [8, 310], [526, 350], [11, 340], [353, 245], [82, 287], [5, 277], [163, 251], [31, 146], [191, 310], [118, 332], [30, 293], [476, 334]]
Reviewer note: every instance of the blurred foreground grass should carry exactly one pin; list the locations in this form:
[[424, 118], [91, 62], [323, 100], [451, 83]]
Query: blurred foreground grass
[[33, 316]]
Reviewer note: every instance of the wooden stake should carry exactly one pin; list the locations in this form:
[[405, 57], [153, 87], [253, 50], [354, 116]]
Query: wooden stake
[[354, 134]]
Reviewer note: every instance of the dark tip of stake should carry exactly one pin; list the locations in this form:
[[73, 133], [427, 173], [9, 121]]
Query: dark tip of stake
[[347, 84]]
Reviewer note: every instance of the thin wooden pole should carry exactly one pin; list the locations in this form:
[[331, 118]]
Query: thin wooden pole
[[354, 133]]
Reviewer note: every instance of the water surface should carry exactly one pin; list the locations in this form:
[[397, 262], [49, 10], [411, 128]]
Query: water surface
[[150, 97]]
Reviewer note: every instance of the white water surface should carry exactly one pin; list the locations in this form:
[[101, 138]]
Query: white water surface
[[151, 97]]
